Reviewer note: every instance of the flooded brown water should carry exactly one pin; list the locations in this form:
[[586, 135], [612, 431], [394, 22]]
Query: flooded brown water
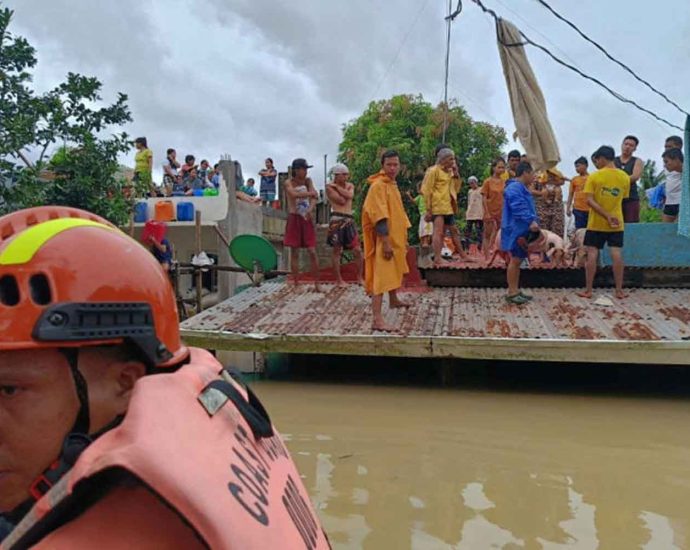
[[519, 465]]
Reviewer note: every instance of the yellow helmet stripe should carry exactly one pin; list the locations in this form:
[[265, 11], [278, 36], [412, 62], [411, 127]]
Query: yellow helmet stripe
[[23, 247]]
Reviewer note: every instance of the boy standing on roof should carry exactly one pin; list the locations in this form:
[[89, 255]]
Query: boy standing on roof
[[605, 190], [514, 159], [474, 217], [299, 232], [577, 199], [342, 233]]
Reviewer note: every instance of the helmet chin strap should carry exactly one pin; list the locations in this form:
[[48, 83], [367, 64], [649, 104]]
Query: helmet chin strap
[[83, 419], [75, 442]]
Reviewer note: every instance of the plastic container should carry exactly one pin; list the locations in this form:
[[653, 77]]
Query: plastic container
[[210, 192], [185, 211], [198, 192], [141, 212], [164, 211]]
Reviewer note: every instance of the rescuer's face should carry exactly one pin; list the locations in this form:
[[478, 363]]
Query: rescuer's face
[[38, 407]]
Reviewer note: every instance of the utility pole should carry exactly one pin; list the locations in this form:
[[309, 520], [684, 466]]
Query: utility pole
[[449, 22], [325, 170]]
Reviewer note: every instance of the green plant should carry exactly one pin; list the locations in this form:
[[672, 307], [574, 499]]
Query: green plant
[[413, 127], [83, 172]]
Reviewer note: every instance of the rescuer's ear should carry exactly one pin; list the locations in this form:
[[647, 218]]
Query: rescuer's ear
[[129, 373]]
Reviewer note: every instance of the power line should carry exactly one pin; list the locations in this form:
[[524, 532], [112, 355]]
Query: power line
[[610, 57], [528, 41], [402, 45], [537, 31]]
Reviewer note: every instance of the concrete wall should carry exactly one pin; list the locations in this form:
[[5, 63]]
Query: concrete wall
[[653, 245]]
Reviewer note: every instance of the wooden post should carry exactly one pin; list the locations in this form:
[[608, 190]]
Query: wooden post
[[198, 273], [228, 227]]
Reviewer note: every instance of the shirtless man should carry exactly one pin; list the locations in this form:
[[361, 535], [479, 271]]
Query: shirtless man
[[300, 233], [342, 233]]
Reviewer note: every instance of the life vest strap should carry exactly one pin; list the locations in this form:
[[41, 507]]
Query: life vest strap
[[251, 408]]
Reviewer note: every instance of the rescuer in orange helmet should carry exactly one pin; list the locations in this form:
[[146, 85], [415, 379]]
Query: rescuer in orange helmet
[[110, 428]]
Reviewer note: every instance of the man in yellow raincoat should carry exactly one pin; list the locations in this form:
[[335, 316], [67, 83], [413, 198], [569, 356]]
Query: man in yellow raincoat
[[384, 227]]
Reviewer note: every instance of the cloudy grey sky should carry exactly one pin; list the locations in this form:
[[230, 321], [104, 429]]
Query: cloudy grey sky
[[257, 78]]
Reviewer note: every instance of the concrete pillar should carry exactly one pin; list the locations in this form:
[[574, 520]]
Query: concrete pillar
[[227, 282]]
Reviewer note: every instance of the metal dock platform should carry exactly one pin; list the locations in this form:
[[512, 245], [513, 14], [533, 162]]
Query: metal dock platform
[[652, 326]]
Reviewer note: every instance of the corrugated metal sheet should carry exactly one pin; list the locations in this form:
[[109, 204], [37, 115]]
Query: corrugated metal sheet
[[275, 309]]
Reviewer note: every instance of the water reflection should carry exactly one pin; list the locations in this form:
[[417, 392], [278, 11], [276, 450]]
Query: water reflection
[[392, 466]]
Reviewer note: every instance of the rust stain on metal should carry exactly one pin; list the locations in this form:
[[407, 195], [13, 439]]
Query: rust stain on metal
[[634, 331], [677, 312], [274, 309]]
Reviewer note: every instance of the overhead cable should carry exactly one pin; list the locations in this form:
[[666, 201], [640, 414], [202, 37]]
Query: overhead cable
[[402, 45], [530, 42], [610, 57]]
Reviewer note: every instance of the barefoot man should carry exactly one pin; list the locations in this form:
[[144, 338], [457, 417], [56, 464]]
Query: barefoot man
[[605, 190], [299, 232], [384, 227], [342, 233]]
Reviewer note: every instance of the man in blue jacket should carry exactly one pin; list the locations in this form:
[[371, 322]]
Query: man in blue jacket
[[519, 227]]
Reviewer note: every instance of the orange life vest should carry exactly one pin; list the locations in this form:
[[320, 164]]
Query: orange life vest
[[186, 445]]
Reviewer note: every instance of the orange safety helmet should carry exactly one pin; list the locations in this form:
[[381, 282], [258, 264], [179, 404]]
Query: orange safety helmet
[[69, 279]]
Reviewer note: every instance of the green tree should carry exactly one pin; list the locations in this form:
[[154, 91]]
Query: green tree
[[413, 127], [650, 178], [70, 115]]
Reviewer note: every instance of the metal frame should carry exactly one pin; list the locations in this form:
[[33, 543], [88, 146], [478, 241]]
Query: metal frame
[[504, 349]]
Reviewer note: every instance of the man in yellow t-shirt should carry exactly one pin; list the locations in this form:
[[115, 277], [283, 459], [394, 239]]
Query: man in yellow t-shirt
[[577, 198], [513, 162], [605, 190]]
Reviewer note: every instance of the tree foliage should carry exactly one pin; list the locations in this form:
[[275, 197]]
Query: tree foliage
[[413, 127], [650, 177], [70, 116]]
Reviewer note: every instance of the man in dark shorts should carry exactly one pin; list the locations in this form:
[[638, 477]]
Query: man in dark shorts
[[519, 221], [605, 190], [440, 188], [300, 232], [633, 167], [342, 232]]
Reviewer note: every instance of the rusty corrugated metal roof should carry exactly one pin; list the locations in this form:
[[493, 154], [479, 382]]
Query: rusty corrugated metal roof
[[276, 309]]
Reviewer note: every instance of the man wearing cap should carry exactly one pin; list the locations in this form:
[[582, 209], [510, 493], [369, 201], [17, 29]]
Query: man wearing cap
[[342, 233], [300, 232], [440, 189]]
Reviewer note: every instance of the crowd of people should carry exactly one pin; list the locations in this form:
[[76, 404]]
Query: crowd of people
[[197, 179], [517, 214]]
